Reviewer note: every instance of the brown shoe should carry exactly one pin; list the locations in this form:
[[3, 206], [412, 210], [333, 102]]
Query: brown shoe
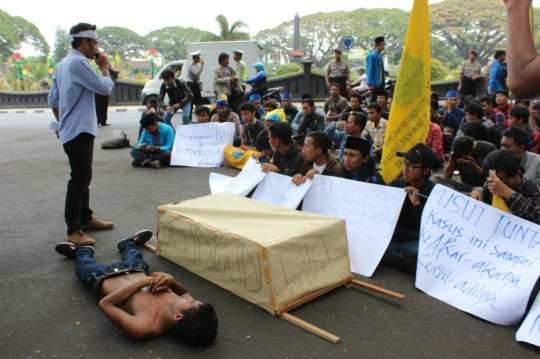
[[79, 238], [155, 164], [97, 225]]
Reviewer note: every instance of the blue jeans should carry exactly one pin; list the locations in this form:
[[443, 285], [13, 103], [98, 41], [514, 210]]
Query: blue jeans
[[397, 251], [88, 270], [186, 116]]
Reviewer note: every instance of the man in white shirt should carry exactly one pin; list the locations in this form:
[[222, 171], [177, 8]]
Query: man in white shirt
[[360, 85]]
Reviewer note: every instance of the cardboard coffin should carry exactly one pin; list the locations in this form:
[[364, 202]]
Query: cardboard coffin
[[266, 254]]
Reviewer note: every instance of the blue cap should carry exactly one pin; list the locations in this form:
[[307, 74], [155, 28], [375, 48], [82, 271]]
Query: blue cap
[[221, 103], [452, 94], [273, 117], [286, 96], [254, 97]]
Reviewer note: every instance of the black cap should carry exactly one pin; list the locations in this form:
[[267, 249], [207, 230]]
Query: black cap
[[379, 39], [359, 144], [306, 95], [474, 52], [337, 50], [423, 154]]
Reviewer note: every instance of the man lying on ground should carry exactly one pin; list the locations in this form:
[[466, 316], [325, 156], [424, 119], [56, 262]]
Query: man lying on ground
[[143, 306]]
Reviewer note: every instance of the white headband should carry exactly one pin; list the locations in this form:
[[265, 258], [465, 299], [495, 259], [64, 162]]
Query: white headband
[[89, 34]]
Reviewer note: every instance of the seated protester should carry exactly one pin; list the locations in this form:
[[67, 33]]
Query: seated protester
[[202, 113], [310, 120], [354, 105], [503, 106], [515, 140], [452, 117], [474, 113], [252, 128], [522, 196], [417, 165], [262, 145], [256, 101], [435, 116], [317, 159], [213, 111], [290, 110], [358, 165], [287, 159], [467, 157], [481, 133], [382, 99], [335, 104], [179, 97], [143, 305], [226, 115], [155, 145], [271, 120], [487, 108], [518, 117], [376, 129], [152, 108], [270, 105], [296, 122], [435, 141], [355, 125], [336, 129]]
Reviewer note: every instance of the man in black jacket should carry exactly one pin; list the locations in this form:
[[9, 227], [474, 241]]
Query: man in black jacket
[[179, 98], [417, 165], [288, 158]]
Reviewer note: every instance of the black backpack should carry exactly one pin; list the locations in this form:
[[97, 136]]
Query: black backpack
[[116, 139]]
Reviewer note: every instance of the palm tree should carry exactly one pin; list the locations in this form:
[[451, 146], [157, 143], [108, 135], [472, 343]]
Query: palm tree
[[227, 33]]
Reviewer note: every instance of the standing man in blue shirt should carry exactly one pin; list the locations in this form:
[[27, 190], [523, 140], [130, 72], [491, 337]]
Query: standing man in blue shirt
[[72, 100], [497, 74], [375, 68]]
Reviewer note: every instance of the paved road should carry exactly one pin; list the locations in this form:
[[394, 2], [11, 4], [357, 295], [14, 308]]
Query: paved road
[[47, 313]]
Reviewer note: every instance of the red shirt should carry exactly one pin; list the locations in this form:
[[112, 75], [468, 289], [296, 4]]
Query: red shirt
[[435, 140], [505, 113]]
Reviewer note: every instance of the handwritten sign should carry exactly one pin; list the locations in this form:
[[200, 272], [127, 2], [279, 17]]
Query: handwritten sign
[[201, 145], [279, 190], [370, 212], [247, 179], [218, 182], [477, 258], [530, 328]]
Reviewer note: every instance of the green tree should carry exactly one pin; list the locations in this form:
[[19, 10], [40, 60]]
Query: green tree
[[122, 41], [229, 33], [16, 31], [438, 71], [61, 44], [464, 25], [171, 42]]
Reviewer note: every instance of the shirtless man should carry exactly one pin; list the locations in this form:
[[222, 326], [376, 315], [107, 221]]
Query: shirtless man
[[143, 306]]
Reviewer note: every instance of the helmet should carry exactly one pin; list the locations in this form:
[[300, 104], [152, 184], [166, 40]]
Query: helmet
[[361, 68], [259, 66]]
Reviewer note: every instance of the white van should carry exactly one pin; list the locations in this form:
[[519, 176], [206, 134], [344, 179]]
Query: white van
[[210, 53]]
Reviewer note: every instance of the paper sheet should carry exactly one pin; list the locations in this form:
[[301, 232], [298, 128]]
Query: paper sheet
[[279, 190], [219, 182]]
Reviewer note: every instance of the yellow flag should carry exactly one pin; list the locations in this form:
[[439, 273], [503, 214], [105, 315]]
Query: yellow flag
[[409, 115], [499, 203]]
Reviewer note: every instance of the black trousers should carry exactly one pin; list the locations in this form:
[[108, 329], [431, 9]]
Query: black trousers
[[196, 91], [80, 152], [468, 87], [102, 106], [342, 81]]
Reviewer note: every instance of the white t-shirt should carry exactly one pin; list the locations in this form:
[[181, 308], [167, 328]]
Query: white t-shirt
[[363, 81], [319, 169]]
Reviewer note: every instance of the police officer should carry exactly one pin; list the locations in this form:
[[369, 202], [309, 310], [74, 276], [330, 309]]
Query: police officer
[[338, 72], [470, 72], [194, 77], [241, 70]]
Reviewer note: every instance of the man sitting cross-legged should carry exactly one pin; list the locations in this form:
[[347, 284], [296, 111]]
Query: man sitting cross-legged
[[143, 306], [155, 145]]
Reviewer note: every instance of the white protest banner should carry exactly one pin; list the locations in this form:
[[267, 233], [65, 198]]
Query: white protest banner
[[370, 212], [529, 331], [477, 258], [247, 179], [201, 145], [279, 190], [218, 182]]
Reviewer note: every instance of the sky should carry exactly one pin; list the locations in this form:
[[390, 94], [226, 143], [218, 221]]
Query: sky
[[142, 18]]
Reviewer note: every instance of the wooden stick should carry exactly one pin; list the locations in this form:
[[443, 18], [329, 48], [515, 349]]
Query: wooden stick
[[151, 247], [312, 296], [376, 289], [310, 328]]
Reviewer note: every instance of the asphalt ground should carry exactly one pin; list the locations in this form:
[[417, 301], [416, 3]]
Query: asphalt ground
[[46, 312]]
